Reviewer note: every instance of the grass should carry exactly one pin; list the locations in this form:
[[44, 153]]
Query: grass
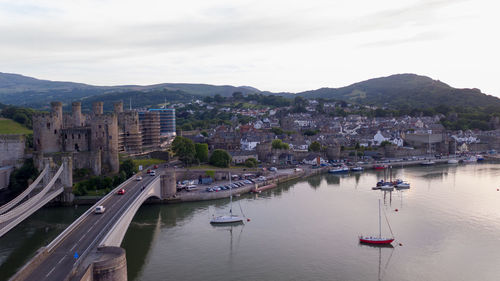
[[147, 162], [8, 126]]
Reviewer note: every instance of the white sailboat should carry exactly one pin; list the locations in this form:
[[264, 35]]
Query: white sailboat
[[229, 218]]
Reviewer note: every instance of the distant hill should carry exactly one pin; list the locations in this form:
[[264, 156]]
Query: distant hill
[[395, 91], [411, 90], [17, 89]]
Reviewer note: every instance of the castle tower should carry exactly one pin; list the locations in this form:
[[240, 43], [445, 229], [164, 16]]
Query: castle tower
[[97, 108], [118, 107], [76, 109], [104, 138], [47, 129]]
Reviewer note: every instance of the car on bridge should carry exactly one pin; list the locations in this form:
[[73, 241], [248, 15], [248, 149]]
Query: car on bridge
[[139, 178], [99, 209], [121, 191]]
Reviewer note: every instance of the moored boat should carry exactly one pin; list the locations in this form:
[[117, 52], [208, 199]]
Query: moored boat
[[400, 184], [377, 240], [379, 167], [453, 161], [427, 163], [357, 169], [471, 159], [479, 157], [338, 170]]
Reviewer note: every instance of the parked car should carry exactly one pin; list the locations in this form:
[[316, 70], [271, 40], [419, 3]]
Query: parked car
[[121, 191], [273, 169], [99, 209]]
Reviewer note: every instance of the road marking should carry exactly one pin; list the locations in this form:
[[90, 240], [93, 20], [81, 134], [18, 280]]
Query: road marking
[[83, 236], [73, 247], [50, 272], [62, 258]]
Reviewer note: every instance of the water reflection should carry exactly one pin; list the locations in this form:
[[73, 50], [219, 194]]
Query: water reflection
[[314, 182]]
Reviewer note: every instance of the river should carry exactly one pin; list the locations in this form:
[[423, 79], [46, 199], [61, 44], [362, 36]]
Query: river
[[446, 228]]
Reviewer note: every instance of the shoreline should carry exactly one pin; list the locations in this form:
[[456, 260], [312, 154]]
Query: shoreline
[[268, 184]]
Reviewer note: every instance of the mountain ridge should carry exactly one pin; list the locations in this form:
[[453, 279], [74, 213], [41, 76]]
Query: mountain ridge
[[398, 90]]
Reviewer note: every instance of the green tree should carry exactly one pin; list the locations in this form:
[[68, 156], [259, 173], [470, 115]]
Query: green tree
[[251, 162], [220, 158], [187, 127], [315, 146], [128, 167], [19, 177], [277, 131], [384, 143], [238, 95], [279, 144], [184, 148], [201, 152]]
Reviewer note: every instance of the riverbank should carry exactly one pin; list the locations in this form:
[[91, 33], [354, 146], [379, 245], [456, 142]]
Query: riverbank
[[273, 179]]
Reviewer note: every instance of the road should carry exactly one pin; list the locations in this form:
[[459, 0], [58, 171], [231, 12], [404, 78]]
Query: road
[[59, 263]]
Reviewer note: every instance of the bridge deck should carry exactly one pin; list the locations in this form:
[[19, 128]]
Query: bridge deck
[[59, 262]]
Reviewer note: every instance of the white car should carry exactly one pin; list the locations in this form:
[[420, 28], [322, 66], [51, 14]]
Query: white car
[[99, 209], [139, 178], [152, 173]]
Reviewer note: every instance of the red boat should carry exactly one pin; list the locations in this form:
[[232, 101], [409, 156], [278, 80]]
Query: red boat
[[377, 240], [379, 167]]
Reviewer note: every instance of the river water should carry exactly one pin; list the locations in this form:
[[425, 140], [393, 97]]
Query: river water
[[446, 227]]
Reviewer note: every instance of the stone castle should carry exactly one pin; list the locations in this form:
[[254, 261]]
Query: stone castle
[[94, 140]]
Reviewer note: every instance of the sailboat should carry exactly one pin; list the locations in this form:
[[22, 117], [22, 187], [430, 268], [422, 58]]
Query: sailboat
[[229, 218], [377, 240]]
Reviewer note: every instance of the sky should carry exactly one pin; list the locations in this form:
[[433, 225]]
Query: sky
[[273, 45]]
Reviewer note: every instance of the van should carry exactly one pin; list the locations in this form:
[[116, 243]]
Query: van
[[99, 209]]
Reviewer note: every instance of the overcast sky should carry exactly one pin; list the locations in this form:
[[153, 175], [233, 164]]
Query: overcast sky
[[275, 45]]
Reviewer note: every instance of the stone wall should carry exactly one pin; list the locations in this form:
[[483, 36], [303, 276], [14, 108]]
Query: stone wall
[[11, 149]]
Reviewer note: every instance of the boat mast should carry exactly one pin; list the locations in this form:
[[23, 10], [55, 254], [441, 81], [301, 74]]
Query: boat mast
[[379, 221], [230, 196]]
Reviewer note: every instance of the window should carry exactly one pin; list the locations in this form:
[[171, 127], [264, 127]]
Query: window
[[55, 132], [48, 125], [79, 136]]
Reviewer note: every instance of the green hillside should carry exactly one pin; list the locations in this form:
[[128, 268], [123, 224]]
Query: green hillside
[[406, 90], [8, 126]]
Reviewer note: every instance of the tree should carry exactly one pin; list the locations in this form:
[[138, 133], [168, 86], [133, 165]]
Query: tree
[[187, 127], [251, 162], [219, 99], [279, 144], [238, 95], [310, 132], [220, 158], [384, 143], [19, 177], [184, 148], [128, 166], [201, 152], [315, 146]]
